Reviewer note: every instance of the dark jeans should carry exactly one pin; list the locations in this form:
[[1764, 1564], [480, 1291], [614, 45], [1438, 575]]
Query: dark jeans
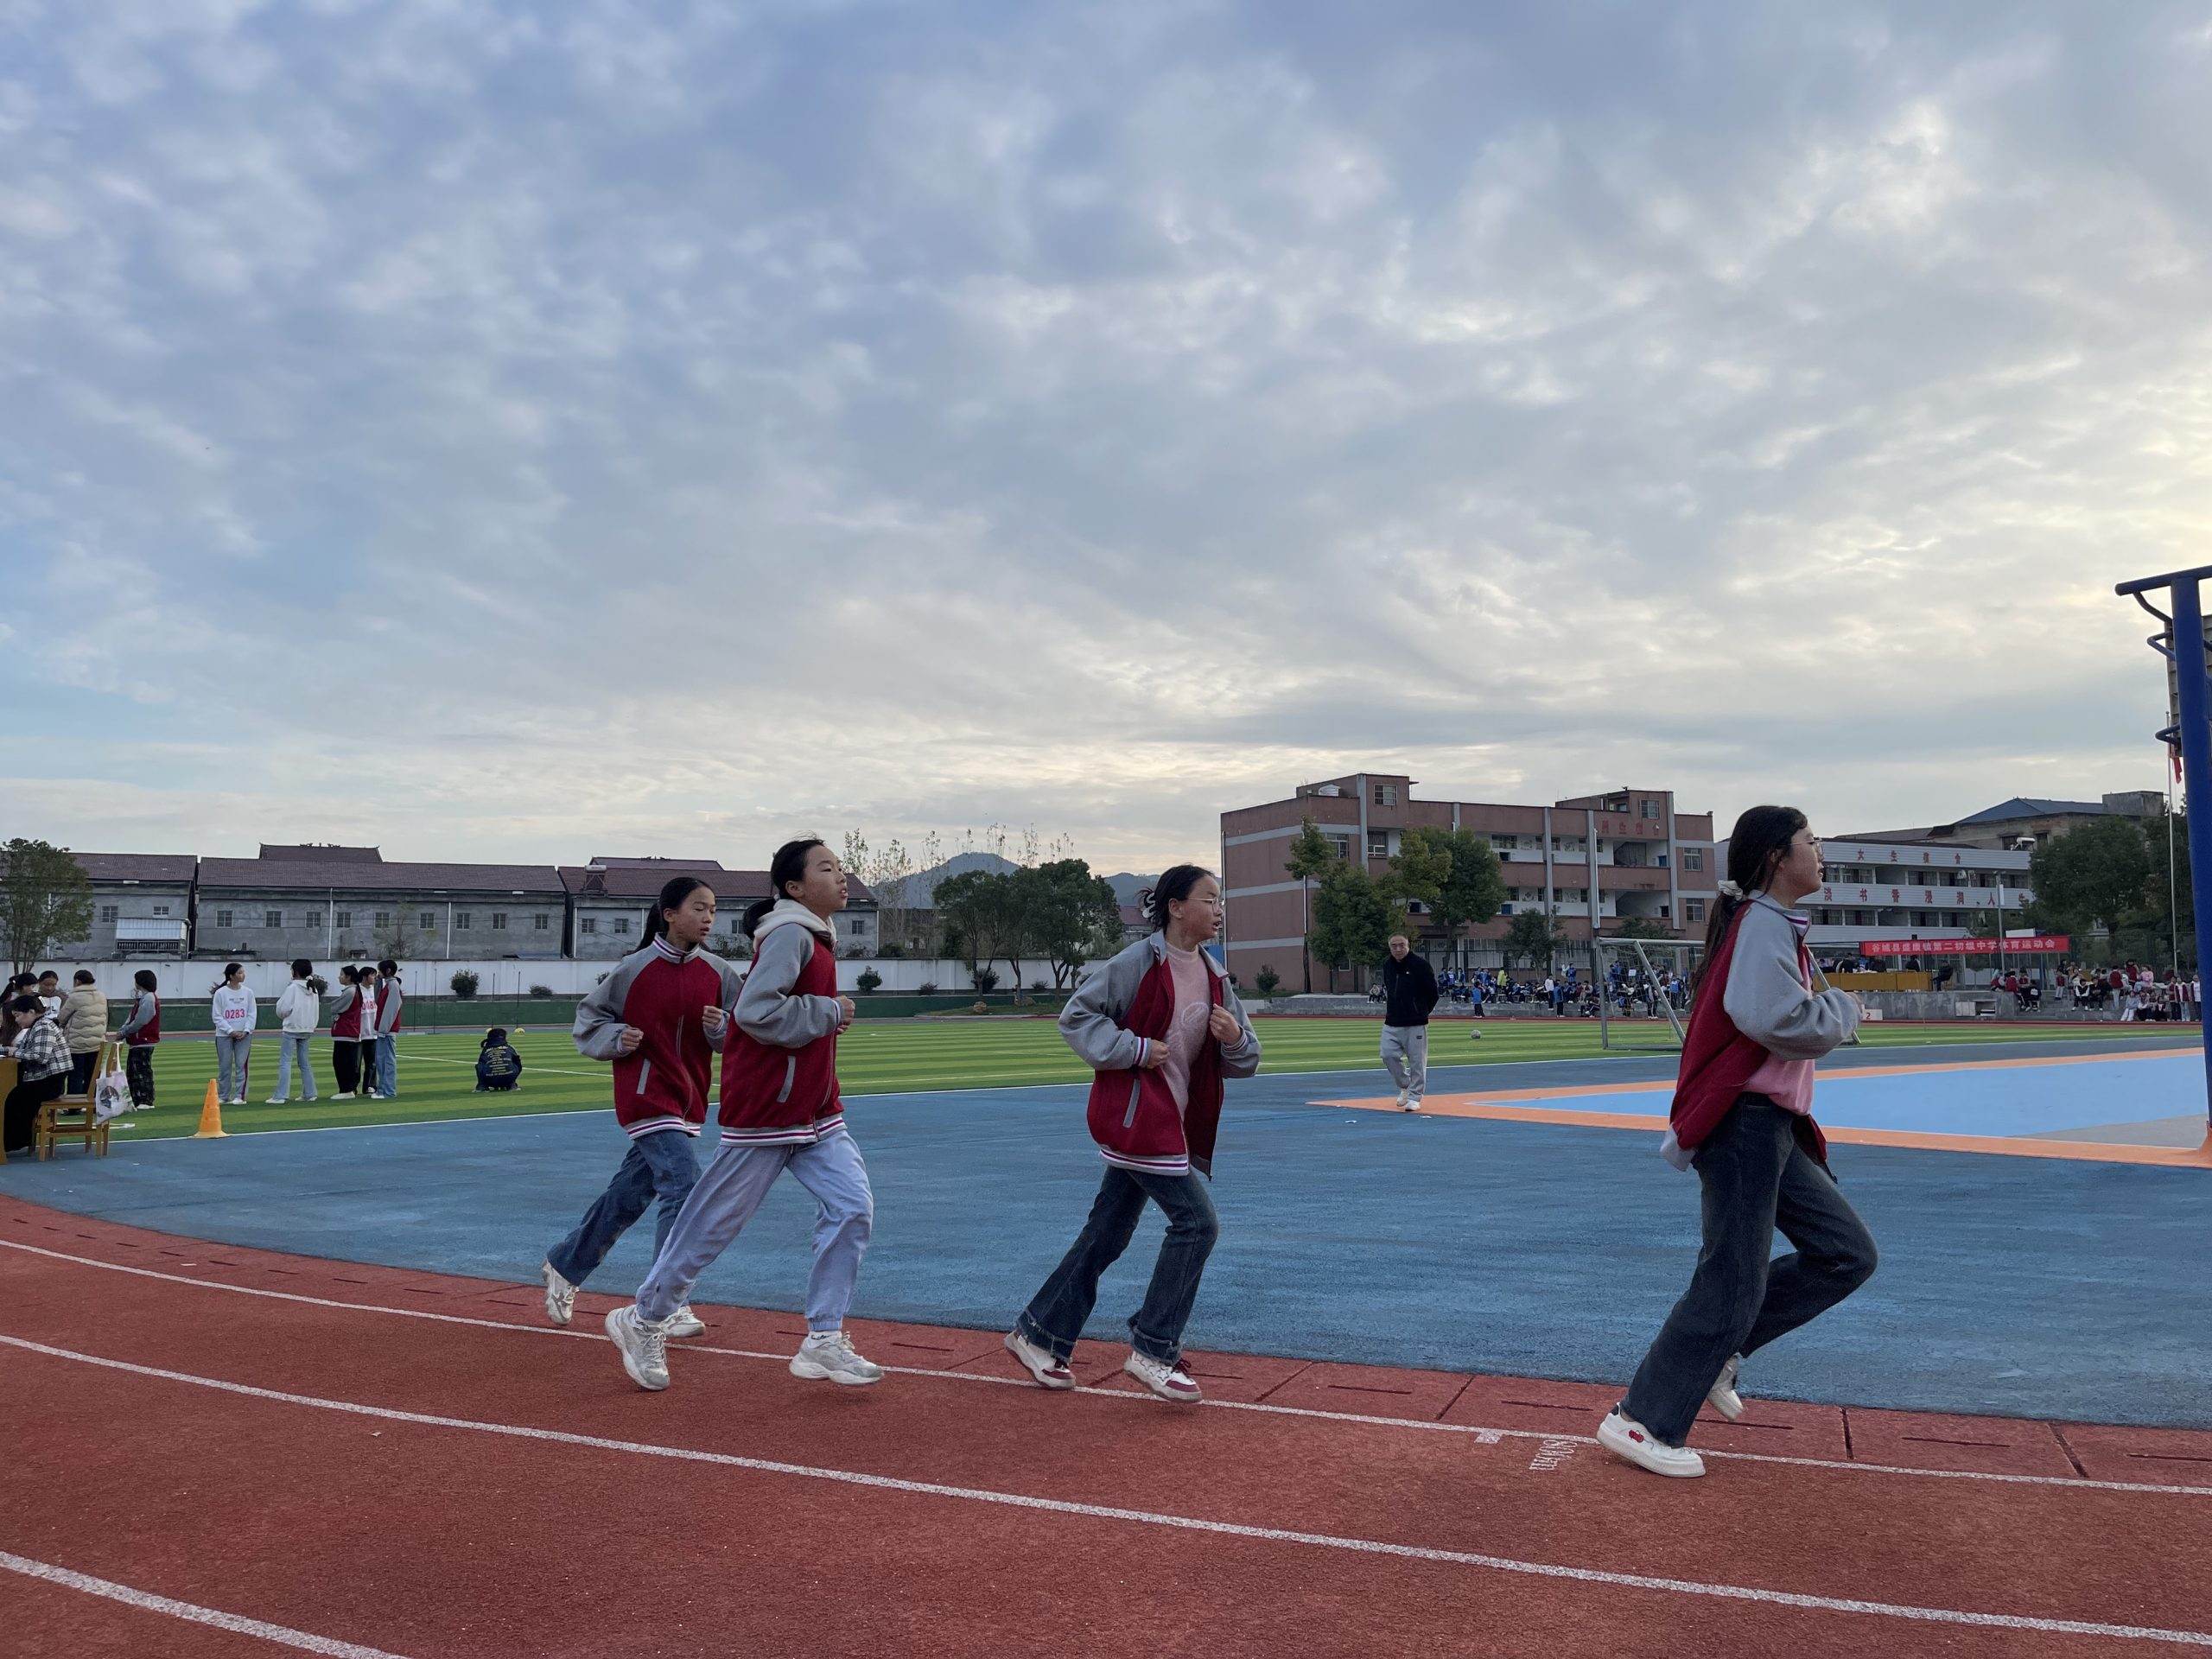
[[80, 1071], [1055, 1316], [19, 1117], [1754, 1178], [662, 1162], [346, 1061], [138, 1072]]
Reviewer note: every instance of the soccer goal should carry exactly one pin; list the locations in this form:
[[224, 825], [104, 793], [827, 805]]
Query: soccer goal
[[1645, 963]]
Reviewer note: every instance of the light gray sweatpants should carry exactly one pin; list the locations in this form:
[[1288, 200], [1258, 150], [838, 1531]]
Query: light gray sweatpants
[[1405, 1056], [732, 1188]]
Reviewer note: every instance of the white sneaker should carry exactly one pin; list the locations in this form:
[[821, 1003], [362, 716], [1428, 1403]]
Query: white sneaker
[[1401, 1100], [684, 1323], [1622, 1436], [276, 1100], [560, 1294], [1411, 1104], [348, 1094], [1722, 1395], [828, 1354], [644, 1343], [1168, 1382], [1038, 1363]]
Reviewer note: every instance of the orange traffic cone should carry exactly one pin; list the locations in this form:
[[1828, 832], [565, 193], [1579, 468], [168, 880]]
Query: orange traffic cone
[[211, 1117]]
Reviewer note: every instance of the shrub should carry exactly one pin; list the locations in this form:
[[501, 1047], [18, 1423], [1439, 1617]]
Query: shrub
[[544, 990], [985, 979], [928, 988], [1269, 979], [869, 980], [464, 984]]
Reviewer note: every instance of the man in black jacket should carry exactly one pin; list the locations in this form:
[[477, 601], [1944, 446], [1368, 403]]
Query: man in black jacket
[[1408, 993]]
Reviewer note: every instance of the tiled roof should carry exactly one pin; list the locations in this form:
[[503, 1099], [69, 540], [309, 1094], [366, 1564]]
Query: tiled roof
[[256, 874], [639, 878], [2026, 806], [138, 866], [308, 853]]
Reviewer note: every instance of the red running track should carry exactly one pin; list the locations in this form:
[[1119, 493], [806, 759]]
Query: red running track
[[326, 1458]]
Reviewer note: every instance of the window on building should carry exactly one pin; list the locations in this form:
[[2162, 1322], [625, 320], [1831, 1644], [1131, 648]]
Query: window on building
[[1692, 910], [345, 918], [1386, 794], [856, 925], [314, 918], [1646, 808], [462, 918], [107, 913], [1693, 858], [1504, 843], [161, 910], [272, 918], [384, 919], [1378, 847], [498, 921], [430, 923], [222, 918], [539, 922], [1343, 844], [589, 924]]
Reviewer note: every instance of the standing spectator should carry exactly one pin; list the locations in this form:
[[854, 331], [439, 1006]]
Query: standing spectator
[[346, 1033], [41, 1069], [50, 993], [371, 994], [83, 1020], [1409, 995], [387, 1029], [234, 1013], [140, 1034], [299, 1010]]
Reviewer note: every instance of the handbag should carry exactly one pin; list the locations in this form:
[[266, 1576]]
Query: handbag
[[111, 1093]]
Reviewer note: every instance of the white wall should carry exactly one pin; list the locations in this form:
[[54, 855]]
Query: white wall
[[189, 980]]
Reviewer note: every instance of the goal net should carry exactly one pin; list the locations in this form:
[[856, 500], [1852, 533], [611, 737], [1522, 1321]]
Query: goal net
[[1644, 992]]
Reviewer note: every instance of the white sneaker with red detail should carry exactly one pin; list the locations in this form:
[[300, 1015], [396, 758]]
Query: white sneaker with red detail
[[1722, 1395], [1168, 1382], [1038, 1363], [1622, 1436]]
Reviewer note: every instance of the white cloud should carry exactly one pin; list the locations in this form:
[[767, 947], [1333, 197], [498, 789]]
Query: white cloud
[[488, 431]]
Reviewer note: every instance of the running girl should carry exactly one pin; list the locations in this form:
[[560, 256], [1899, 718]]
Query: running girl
[[781, 1111], [1742, 1117], [1162, 1028], [659, 1017]]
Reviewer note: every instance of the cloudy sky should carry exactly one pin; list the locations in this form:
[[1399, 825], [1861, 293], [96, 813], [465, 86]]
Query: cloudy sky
[[501, 430]]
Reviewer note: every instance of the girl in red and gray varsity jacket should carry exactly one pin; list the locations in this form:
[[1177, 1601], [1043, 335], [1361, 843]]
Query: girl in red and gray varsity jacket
[[1161, 1027], [660, 1017], [781, 1111]]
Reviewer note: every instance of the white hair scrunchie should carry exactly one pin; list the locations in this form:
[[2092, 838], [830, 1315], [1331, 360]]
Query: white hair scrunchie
[[1728, 889]]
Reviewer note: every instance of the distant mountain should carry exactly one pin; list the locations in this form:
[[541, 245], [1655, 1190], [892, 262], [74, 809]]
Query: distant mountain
[[921, 888], [1126, 886]]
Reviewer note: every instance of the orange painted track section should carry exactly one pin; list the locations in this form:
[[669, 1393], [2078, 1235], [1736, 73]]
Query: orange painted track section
[[453, 1538]]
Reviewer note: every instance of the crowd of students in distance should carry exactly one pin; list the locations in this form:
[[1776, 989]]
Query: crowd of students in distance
[[1629, 989], [2130, 991]]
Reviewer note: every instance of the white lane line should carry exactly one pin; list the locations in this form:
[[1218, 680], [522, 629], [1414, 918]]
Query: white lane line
[[1483, 1435], [305, 1641], [1153, 1518]]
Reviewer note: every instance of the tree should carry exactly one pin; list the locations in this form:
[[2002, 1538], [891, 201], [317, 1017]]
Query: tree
[[1534, 936], [1313, 855], [889, 873], [1069, 915], [985, 910], [1418, 870], [1353, 918], [46, 900], [2099, 873], [1473, 887], [1643, 927]]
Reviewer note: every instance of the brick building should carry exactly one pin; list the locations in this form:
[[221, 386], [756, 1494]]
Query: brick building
[[1647, 862], [335, 903]]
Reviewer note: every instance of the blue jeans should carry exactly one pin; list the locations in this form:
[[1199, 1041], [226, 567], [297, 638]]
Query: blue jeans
[[385, 1067], [1753, 1178], [730, 1192], [289, 1044], [661, 1163], [1055, 1316]]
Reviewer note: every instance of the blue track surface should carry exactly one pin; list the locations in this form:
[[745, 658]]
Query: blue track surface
[[2010, 1285]]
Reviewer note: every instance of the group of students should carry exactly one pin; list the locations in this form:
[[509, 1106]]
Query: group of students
[[1162, 1029], [363, 1032]]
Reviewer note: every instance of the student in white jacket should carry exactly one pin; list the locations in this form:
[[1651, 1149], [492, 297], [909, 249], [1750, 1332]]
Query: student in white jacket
[[234, 1015], [300, 1008]]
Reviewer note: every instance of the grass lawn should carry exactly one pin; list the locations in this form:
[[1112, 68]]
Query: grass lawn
[[438, 1077]]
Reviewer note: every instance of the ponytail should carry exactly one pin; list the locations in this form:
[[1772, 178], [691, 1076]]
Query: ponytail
[[673, 892], [1174, 884], [1756, 845], [787, 865]]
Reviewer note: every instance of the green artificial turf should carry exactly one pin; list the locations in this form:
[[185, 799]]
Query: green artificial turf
[[437, 1077]]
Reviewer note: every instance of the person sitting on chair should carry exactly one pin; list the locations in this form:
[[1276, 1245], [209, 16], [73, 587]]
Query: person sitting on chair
[[499, 1068], [41, 1069]]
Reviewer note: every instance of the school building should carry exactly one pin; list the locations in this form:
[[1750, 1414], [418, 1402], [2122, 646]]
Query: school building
[[1594, 861]]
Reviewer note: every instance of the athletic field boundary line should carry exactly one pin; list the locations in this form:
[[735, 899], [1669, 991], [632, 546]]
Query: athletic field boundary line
[[1479, 1431], [147, 1601], [1506, 1564]]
